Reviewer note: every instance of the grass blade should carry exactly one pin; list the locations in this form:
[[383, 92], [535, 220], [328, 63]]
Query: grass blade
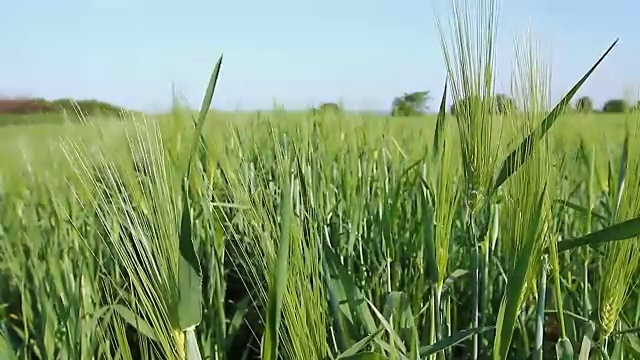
[[365, 356], [359, 345], [452, 340], [520, 155], [189, 271], [204, 109], [280, 275], [134, 320], [442, 114], [622, 231]]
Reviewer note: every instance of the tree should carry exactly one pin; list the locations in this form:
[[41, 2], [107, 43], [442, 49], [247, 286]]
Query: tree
[[411, 104], [584, 104], [503, 104], [615, 106], [500, 104], [329, 107]]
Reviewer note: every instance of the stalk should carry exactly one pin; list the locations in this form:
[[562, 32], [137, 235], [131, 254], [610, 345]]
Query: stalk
[[563, 343], [542, 292], [475, 285], [489, 244], [586, 304]]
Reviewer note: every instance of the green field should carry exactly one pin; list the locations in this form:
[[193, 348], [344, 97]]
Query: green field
[[501, 233]]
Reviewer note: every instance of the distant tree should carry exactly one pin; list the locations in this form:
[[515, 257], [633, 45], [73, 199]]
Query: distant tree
[[329, 107], [410, 104], [500, 104], [615, 106], [584, 104], [503, 104]]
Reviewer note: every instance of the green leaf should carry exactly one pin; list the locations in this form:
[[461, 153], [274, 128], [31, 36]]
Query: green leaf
[[622, 231], [279, 277], [624, 159], [204, 109], [427, 233], [564, 349], [134, 320], [587, 339], [192, 350], [242, 308], [342, 321], [353, 350], [632, 343], [189, 271], [452, 278], [442, 114], [452, 340], [369, 355], [520, 155], [6, 351], [510, 305], [394, 335], [581, 209], [349, 297]]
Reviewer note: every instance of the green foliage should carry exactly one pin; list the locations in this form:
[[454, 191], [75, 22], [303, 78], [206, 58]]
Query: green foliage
[[69, 107], [584, 104], [328, 108], [410, 104], [615, 106], [504, 104], [311, 237], [500, 104]]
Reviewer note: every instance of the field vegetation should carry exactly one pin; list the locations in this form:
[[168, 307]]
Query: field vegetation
[[500, 228]]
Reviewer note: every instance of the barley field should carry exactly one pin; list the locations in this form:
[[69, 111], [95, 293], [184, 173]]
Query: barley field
[[281, 235]]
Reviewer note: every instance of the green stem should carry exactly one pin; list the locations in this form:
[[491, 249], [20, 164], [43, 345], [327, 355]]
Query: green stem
[[475, 287], [542, 291]]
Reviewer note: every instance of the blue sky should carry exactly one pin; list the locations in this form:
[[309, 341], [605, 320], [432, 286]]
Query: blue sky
[[297, 53]]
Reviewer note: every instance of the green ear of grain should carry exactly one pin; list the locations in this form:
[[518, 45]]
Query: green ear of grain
[[442, 113], [452, 340], [622, 231], [279, 280], [520, 155]]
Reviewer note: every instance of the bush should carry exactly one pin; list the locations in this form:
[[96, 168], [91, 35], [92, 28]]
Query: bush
[[70, 106], [328, 107], [615, 106], [584, 104], [410, 104], [501, 104]]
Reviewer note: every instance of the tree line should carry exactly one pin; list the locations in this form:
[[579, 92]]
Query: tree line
[[60, 106], [415, 103]]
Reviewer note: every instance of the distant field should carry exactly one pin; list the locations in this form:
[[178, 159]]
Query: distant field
[[369, 208], [36, 140]]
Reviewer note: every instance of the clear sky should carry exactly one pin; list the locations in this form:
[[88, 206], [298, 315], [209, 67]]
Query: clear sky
[[297, 53]]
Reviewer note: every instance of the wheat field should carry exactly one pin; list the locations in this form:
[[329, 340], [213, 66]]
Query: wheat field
[[281, 235]]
